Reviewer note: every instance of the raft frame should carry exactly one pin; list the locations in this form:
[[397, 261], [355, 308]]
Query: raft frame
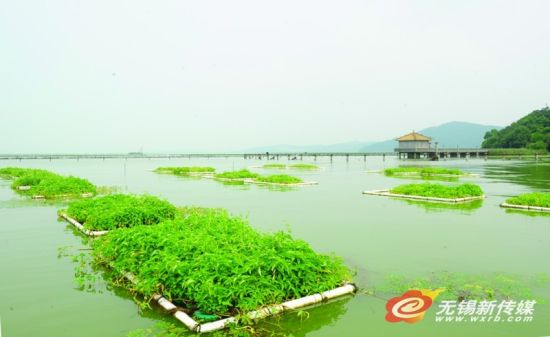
[[387, 193], [525, 207], [267, 311], [81, 227]]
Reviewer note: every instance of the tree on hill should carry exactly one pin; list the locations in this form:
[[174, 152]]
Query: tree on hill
[[531, 131]]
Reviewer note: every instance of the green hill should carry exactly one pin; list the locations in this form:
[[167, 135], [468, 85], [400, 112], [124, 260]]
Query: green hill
[[531, 131]]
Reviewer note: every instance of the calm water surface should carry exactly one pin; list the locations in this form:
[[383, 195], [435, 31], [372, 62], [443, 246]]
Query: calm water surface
[[375, 235]]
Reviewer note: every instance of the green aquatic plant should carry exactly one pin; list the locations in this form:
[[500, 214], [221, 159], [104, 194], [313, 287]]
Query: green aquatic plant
[[62, 187], [439, 190], [422, 171], [461, 286], [531, 199], [279, 179], [241, 174], [274, 166], [185, 170], [218, 264], [120, 211], [16, 172], [195, 210], [49, 185], [304, 166]]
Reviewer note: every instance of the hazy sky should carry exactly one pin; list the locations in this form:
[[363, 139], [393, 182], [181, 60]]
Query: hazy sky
[[181, 76]]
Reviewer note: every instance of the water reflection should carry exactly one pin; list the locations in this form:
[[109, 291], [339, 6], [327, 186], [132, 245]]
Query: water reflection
[[303, 322], [278, 188], [528, 213], [531, 174], [28, 202], [435, 207]]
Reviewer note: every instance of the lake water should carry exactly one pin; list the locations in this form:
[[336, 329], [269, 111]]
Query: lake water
[[375, 235]]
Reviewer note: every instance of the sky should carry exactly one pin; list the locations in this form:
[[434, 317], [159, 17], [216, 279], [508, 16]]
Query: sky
[[211, 76]]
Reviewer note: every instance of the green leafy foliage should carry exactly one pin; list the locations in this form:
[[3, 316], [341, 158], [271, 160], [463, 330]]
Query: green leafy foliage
[[185, 170], [438, 190], [218, 264], [304, 166], [47, 184], [531, 132], [121, 211], [422, 171], [279, 179], [16, 172], [531, 199], [241, 174], [274, 166]]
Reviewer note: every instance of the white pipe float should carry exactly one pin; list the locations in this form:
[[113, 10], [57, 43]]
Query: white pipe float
[[305, 183], [264, 312], [190, 323], [387, 193], [525, 207], [81, 228], [280, 308]]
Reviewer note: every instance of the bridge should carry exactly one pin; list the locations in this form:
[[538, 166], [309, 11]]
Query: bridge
[[435, 153]]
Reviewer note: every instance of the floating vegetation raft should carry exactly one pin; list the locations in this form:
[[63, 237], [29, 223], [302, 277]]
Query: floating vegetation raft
[[186, 170], [44, 184], [279, 179], [439, 190], [530, 201], [236, 175], [120, 211], [304, 166], [274, 166], [245, 176], [217, 264], [423, 171], [433, 192], [293, 166]]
